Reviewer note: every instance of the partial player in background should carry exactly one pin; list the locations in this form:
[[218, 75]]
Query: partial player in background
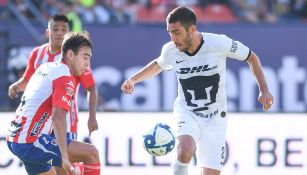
[[58, 26], [200, 109], [44, 105]]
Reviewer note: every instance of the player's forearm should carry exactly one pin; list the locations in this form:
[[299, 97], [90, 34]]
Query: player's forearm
[[92, 96], [21, 84], [150, 70], [256, 68], [59, 126]]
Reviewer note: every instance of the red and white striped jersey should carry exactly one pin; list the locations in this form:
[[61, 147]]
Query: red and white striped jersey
[[40, 55], [50, 86], [86, 80]]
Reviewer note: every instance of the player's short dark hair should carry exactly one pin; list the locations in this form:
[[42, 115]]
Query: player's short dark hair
[[74, 41], [184, 15], [57, 17]]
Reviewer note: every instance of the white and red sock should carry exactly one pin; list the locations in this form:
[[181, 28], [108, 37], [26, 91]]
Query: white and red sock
[[92, 169]]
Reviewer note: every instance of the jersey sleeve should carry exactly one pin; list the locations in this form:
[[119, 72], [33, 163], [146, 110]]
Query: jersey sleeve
[[63, 91], [86, 79], [234, 49], [30, 67], [164, 59]]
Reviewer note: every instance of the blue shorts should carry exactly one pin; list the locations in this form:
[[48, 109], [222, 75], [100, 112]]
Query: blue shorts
[[40, 156], [69, 135]]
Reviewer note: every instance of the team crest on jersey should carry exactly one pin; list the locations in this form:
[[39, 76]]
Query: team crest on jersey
[[70, 83], [69, 91]]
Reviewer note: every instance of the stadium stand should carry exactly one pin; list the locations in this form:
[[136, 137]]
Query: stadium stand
[[218, 13], [151, 15]]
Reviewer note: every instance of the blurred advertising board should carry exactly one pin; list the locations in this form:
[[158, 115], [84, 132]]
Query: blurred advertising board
[[257, 144]]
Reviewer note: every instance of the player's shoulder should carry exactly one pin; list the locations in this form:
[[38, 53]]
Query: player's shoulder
[[55, 69], [40, 47], [214, 38], [59, 67], [216, 42]]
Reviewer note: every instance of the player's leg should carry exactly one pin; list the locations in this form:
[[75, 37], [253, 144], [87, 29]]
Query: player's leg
[[50, 172], [86, 153], [77, 166], [211, 152], [187, 135], [209, 171], [185, 150]]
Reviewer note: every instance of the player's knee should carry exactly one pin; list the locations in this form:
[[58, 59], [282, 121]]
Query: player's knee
[[93, 154], [185, 152]]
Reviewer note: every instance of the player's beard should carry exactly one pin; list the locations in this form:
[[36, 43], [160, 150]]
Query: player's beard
[[187, 42]]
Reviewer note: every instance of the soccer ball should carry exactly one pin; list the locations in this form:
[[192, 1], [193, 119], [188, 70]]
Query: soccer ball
[[159, 140]]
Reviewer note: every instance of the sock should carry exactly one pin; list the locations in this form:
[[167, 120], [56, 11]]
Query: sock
[[180, 168], [79, 168], [92, 169]]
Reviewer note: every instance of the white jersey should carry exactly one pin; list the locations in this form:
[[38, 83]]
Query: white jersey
[[201, 77], [50, 86]]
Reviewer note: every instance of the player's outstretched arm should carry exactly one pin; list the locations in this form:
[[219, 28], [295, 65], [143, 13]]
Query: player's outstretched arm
[[92, 96], [150, 70], [265, 97], [18, 86]]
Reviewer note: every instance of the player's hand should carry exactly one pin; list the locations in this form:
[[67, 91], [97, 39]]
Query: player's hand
[[13, 91], [92, 125], [67, 167], [266, 99], [128, 86]]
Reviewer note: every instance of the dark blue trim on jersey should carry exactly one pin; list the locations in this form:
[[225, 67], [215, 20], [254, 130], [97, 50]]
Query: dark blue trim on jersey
[[198, 48], [249, 53]]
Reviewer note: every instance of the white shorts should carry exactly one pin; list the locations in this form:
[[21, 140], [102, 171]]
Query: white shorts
[[209, 135]]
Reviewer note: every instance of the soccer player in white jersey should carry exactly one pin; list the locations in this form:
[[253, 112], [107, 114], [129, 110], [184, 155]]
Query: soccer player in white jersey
[[46, 101], [58, 26], [199, 60]]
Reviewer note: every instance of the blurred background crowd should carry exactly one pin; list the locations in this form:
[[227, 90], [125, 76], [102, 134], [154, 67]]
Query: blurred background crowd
[[134, 11]]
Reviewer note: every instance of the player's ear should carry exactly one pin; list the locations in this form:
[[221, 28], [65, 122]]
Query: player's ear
[[192, 28], [70, 54], [47, 33]]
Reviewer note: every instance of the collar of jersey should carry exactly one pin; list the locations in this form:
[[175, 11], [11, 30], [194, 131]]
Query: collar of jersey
[[198, 48], [50, 54]]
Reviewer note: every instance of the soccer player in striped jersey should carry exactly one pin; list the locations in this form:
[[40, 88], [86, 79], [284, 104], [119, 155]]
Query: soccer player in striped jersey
[[200, 109], [44, 105], [58, 26]]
